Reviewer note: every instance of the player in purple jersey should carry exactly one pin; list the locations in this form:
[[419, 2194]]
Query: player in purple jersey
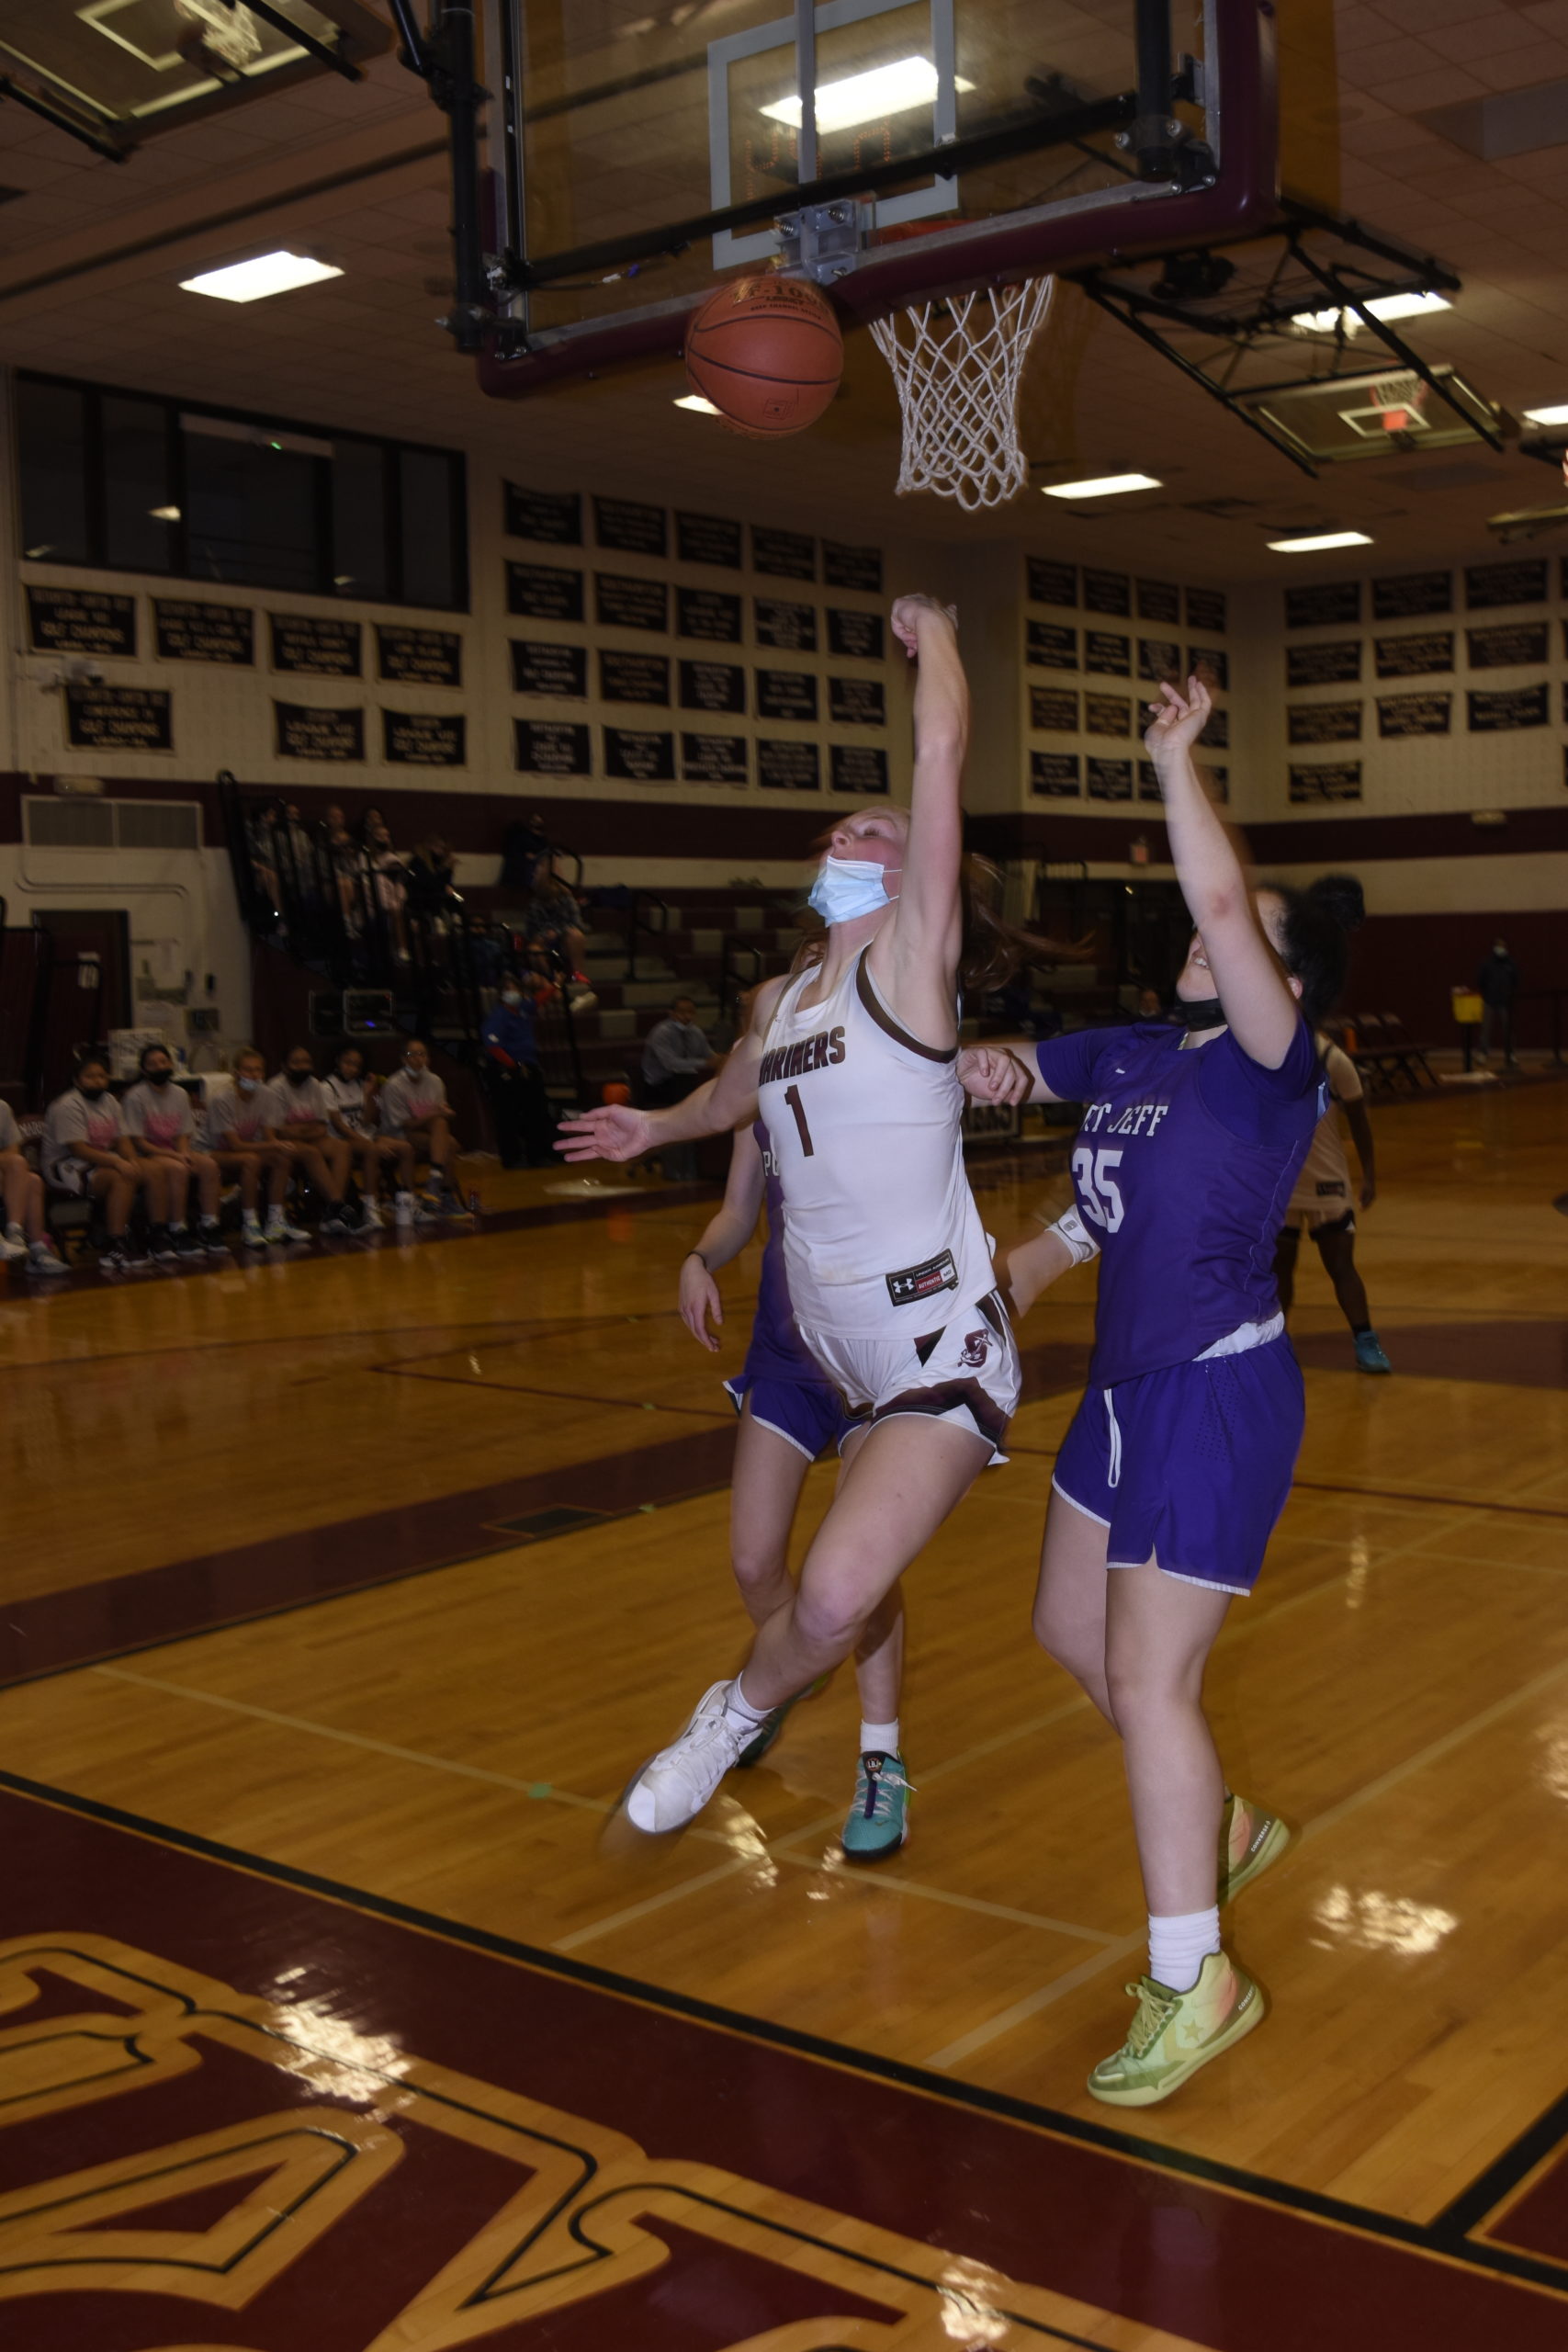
[[789, 1415], [1179, 1459]]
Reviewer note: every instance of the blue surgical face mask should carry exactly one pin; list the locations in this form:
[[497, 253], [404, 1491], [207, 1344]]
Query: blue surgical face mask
[[848, 886]]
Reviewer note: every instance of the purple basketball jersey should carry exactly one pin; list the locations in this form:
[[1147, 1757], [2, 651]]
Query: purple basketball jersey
[[777, 1351], [1183, 1169]]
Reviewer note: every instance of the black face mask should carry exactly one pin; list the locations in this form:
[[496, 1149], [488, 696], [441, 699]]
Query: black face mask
[[92, 1094], [157, 1077], [1203, 1013], [300, 1077]]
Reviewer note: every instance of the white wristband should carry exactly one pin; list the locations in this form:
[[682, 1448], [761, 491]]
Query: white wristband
[[1071, 1229]]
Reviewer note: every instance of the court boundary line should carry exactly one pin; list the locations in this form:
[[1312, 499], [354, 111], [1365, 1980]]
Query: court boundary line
[[1548, 2280]]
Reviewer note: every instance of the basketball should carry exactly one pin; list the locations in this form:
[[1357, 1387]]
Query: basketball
[[613, 1091], [767, 352]]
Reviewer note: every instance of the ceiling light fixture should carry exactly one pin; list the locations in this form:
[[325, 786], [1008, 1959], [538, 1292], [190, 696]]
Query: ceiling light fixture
[[699, 407], [252, 281], [1383, 306], [898, 88], [1102, 486], [1316, 540], [165, 513], [1558, 414]]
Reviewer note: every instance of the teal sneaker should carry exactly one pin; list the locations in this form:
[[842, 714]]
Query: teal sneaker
[[1369, 1356], [879, 1817]]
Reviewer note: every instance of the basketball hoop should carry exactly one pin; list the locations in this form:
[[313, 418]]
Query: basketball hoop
[[958, 365]]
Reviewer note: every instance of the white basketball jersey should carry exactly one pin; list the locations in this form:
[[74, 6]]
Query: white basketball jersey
[[881, 1230]]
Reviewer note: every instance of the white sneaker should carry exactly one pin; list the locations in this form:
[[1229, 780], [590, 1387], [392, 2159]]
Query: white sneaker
[[43, 1259], [404, 1209], [15, 1242], [674, 1788], [583, 1001], [370, 1219], [279, 1228], [250, 1233]]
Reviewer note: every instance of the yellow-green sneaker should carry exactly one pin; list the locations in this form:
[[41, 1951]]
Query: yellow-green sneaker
[[1175, 2033], [1249, 1841]]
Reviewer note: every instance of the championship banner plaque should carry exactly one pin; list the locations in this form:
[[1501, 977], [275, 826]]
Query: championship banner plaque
[[1107, 592], [786, 694], [1049, 645], [1324, 723], [707, 538], [118, 719], [1513, 647], [1429, 714], [712, 685], [310, 647], [714, 759], [1503, 710], [184, 631], [1339, 664], [856, 637], [1409, 593], [1323, 604], [633, 677], [786, 555], [1107, 715], [1161, 601], [630, 528], [845, 567], [553, 517], [305, 734], [622, 602], [1054, 776], [1340, 782], [1107, 655], [637, 755], [709, 612], [419, 657], [543, 591], [856, 701], [789, 628], [1490, 585], [1206, 610], [551, 747], [1158, 657], [82, 620], [788, 767], [1050, 583], [1413, 657], [1211, 663], [1109, 779], [542, 667], [424, 738], [1053, 709], [857, 768]]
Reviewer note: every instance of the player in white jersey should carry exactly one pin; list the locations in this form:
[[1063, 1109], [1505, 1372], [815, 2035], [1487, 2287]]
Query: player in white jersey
[[1323, 1205], [852, 1064]]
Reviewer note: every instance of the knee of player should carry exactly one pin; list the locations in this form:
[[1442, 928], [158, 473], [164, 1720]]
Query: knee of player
[[757, 1566], [1070, 1644], [828, 1620]]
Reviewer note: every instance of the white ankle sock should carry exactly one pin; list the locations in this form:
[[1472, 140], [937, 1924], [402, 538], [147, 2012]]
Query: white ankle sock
[[1180, 1945], [738, 1704], [879, 1739]]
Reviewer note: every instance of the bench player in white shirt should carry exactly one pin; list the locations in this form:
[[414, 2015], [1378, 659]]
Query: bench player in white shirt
[[1323, 1205], [851, 1063]]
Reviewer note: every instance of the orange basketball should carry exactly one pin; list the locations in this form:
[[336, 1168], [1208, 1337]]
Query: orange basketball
[[767, 352], [613, 1091]]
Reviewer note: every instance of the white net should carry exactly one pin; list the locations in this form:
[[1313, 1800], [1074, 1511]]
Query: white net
[[958, 365]]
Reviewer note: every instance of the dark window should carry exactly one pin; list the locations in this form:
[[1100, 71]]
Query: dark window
[[52, 426], [251, 501], [430, 566], [140, 513], [360, 518]]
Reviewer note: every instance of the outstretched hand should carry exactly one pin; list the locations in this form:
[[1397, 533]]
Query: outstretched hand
[[910, 613], [613, 1131], [993, 1074], [1177, 720]]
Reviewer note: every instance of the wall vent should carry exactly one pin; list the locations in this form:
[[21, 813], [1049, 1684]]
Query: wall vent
[[111, 824]]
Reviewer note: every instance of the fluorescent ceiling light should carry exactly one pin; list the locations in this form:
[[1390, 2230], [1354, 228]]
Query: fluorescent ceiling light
[[165, 513], [252, 281], [1386, 306], [898, 88], [1557, 415], [1102, 486], [1320, 539], [695, 401]]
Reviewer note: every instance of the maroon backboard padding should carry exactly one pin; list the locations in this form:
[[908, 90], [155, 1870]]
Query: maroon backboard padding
[[1243, 200]]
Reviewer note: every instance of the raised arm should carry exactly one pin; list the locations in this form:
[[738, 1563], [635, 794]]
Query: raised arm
[[723, 1237], [1257, 1000], [916, 957], [616, 1131]]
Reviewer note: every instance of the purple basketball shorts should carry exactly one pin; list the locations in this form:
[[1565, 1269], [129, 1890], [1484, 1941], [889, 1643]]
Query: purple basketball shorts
[[1189, 1467], [807, 1414]]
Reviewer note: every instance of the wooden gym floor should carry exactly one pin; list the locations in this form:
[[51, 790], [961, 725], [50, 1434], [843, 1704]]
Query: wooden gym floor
[[344, 1592]]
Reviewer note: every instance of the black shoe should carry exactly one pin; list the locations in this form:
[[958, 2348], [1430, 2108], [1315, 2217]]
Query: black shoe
[[114, 1260], [163, 1246], [212, 1239], [186, 1245]]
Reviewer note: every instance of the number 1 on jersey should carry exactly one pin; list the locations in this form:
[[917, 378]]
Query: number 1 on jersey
[[791, 1096]]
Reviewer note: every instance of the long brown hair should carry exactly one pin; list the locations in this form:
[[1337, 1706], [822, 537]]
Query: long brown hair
[[992, 948]]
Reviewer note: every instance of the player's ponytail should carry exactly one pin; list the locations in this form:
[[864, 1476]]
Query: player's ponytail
[[992, 949], [1314, 937]]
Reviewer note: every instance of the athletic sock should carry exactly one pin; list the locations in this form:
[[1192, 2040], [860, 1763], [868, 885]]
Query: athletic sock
[[879, 1739], [1180, 1944], [738, 1706]]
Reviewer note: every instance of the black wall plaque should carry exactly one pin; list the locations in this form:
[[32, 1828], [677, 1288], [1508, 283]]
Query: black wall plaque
[[1107, 715], [1206, 610], [1340, 782], [713, 759], [551, 747], [621, 602], [554, 516], [183, 632], [788, 767], [1149, 784], [856, 701], [1109, 779], [790, 627], [1501, 711], [81, 620], [708, 612], [857, 768], [1489, 584], [629, 528], [1158, 658], [539, 668], [1221, 780], [1107, 592], [120, 719], [1159, 600], [786, 694], [1055, 708], [1410, 592], [707, 538], [1051, 583], [1506, 649], [712, 685], [856, 636], [1324, 666], [1324, 603], [1412, 657], [543, 591], [305, 734], [1106, 655], [1049, 645], [640, 755], [1212, 665], [1216, 733], [786, 555], [844, 567], [1414, 714], [424, 738], [419, 657], [633, 677], [1324, 723], [313, 648], [1053, 775]]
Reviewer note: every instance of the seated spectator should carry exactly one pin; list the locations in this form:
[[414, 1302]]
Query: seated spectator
[[412, 1106], [25, 1233], [676, 1055], [552, 919], [301, 1124], [160, 1126], [85, 1156], [429, 874], [237, 1130], [524, 1128], [351, 1106]]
